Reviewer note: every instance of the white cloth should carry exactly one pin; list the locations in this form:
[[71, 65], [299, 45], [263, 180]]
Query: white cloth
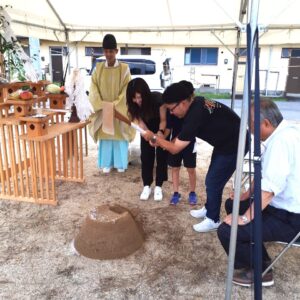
[[76, 91], [281, 167]]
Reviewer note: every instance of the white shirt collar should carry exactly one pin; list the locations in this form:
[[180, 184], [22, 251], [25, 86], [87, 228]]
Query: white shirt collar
[[115, 65]]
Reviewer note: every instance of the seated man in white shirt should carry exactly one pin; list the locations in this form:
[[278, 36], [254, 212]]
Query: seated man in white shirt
[[280, 196]]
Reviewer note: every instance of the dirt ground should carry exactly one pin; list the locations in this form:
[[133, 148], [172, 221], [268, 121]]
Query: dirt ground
[[37, 262]]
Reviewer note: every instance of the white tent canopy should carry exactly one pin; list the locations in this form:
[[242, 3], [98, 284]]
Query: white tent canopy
[[169, 22]]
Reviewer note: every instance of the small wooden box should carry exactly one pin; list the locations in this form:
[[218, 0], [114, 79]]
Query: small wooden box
[[39, 87], [8, 88], [37, 125], [21, 107], [57, 101], [14, 86]]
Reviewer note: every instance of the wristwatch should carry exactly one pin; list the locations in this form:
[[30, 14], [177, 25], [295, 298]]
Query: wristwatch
[[244, 219], [153, 139]]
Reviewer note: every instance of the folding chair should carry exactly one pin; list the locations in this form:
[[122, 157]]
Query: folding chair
[[248, 170], [294, 242]]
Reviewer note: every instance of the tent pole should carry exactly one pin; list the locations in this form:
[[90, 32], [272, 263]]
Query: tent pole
[[268, 70], [240, 157], [66, 31], [243, 9], [68, 53], [235, 69]]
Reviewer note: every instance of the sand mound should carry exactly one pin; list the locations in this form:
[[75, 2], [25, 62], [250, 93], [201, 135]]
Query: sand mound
[[109, 232]]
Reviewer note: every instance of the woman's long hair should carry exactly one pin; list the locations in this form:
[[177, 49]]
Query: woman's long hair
[[147, 109]]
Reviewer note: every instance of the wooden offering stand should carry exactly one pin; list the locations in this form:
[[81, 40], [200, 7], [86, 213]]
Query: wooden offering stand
[[31, 160]]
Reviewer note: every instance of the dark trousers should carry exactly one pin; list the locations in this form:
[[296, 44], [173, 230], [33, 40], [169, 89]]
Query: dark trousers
[[277, 225], [219, 172], [148, 155]]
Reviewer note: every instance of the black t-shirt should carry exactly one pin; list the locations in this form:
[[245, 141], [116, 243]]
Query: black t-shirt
[[174, 124], [212, 122], [153, 123]]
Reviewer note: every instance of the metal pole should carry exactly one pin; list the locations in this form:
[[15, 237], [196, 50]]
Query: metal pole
[[257, 253], [243, 9], [68, 49], [240, 157], [235, 69], [268, 70]]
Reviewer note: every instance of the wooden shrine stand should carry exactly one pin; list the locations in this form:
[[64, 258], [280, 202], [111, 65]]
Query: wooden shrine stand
[[30, 162]]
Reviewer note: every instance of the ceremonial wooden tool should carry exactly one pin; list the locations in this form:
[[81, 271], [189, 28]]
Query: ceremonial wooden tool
[[122, 118]]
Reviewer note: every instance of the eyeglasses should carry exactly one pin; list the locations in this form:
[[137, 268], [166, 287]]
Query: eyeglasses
[[172, 109]]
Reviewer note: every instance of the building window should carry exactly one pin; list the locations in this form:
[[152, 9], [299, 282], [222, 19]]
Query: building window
[[93, 51], [201, 56], [58, 51], [285, 52], [290, 52], [242, 52], [135, 51], [295, 53]]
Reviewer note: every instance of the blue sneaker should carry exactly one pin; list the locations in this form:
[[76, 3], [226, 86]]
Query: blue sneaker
[[175, 198], [192, 198]]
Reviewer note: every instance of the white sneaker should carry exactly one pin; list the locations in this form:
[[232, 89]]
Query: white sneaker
[[106, 170], [158, 193], [145, 193], [198, 213], [206, 225], [121, 170]]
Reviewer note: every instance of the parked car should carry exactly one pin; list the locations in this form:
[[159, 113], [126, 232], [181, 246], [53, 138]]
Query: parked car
[[155, 71]]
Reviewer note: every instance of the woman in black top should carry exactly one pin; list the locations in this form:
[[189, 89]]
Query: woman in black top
[[145, 108]]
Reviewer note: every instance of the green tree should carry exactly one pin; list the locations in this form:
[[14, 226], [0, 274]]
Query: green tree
[[10, 54]]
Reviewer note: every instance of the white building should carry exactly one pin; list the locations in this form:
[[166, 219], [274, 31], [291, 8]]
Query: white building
[[209, 68]]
